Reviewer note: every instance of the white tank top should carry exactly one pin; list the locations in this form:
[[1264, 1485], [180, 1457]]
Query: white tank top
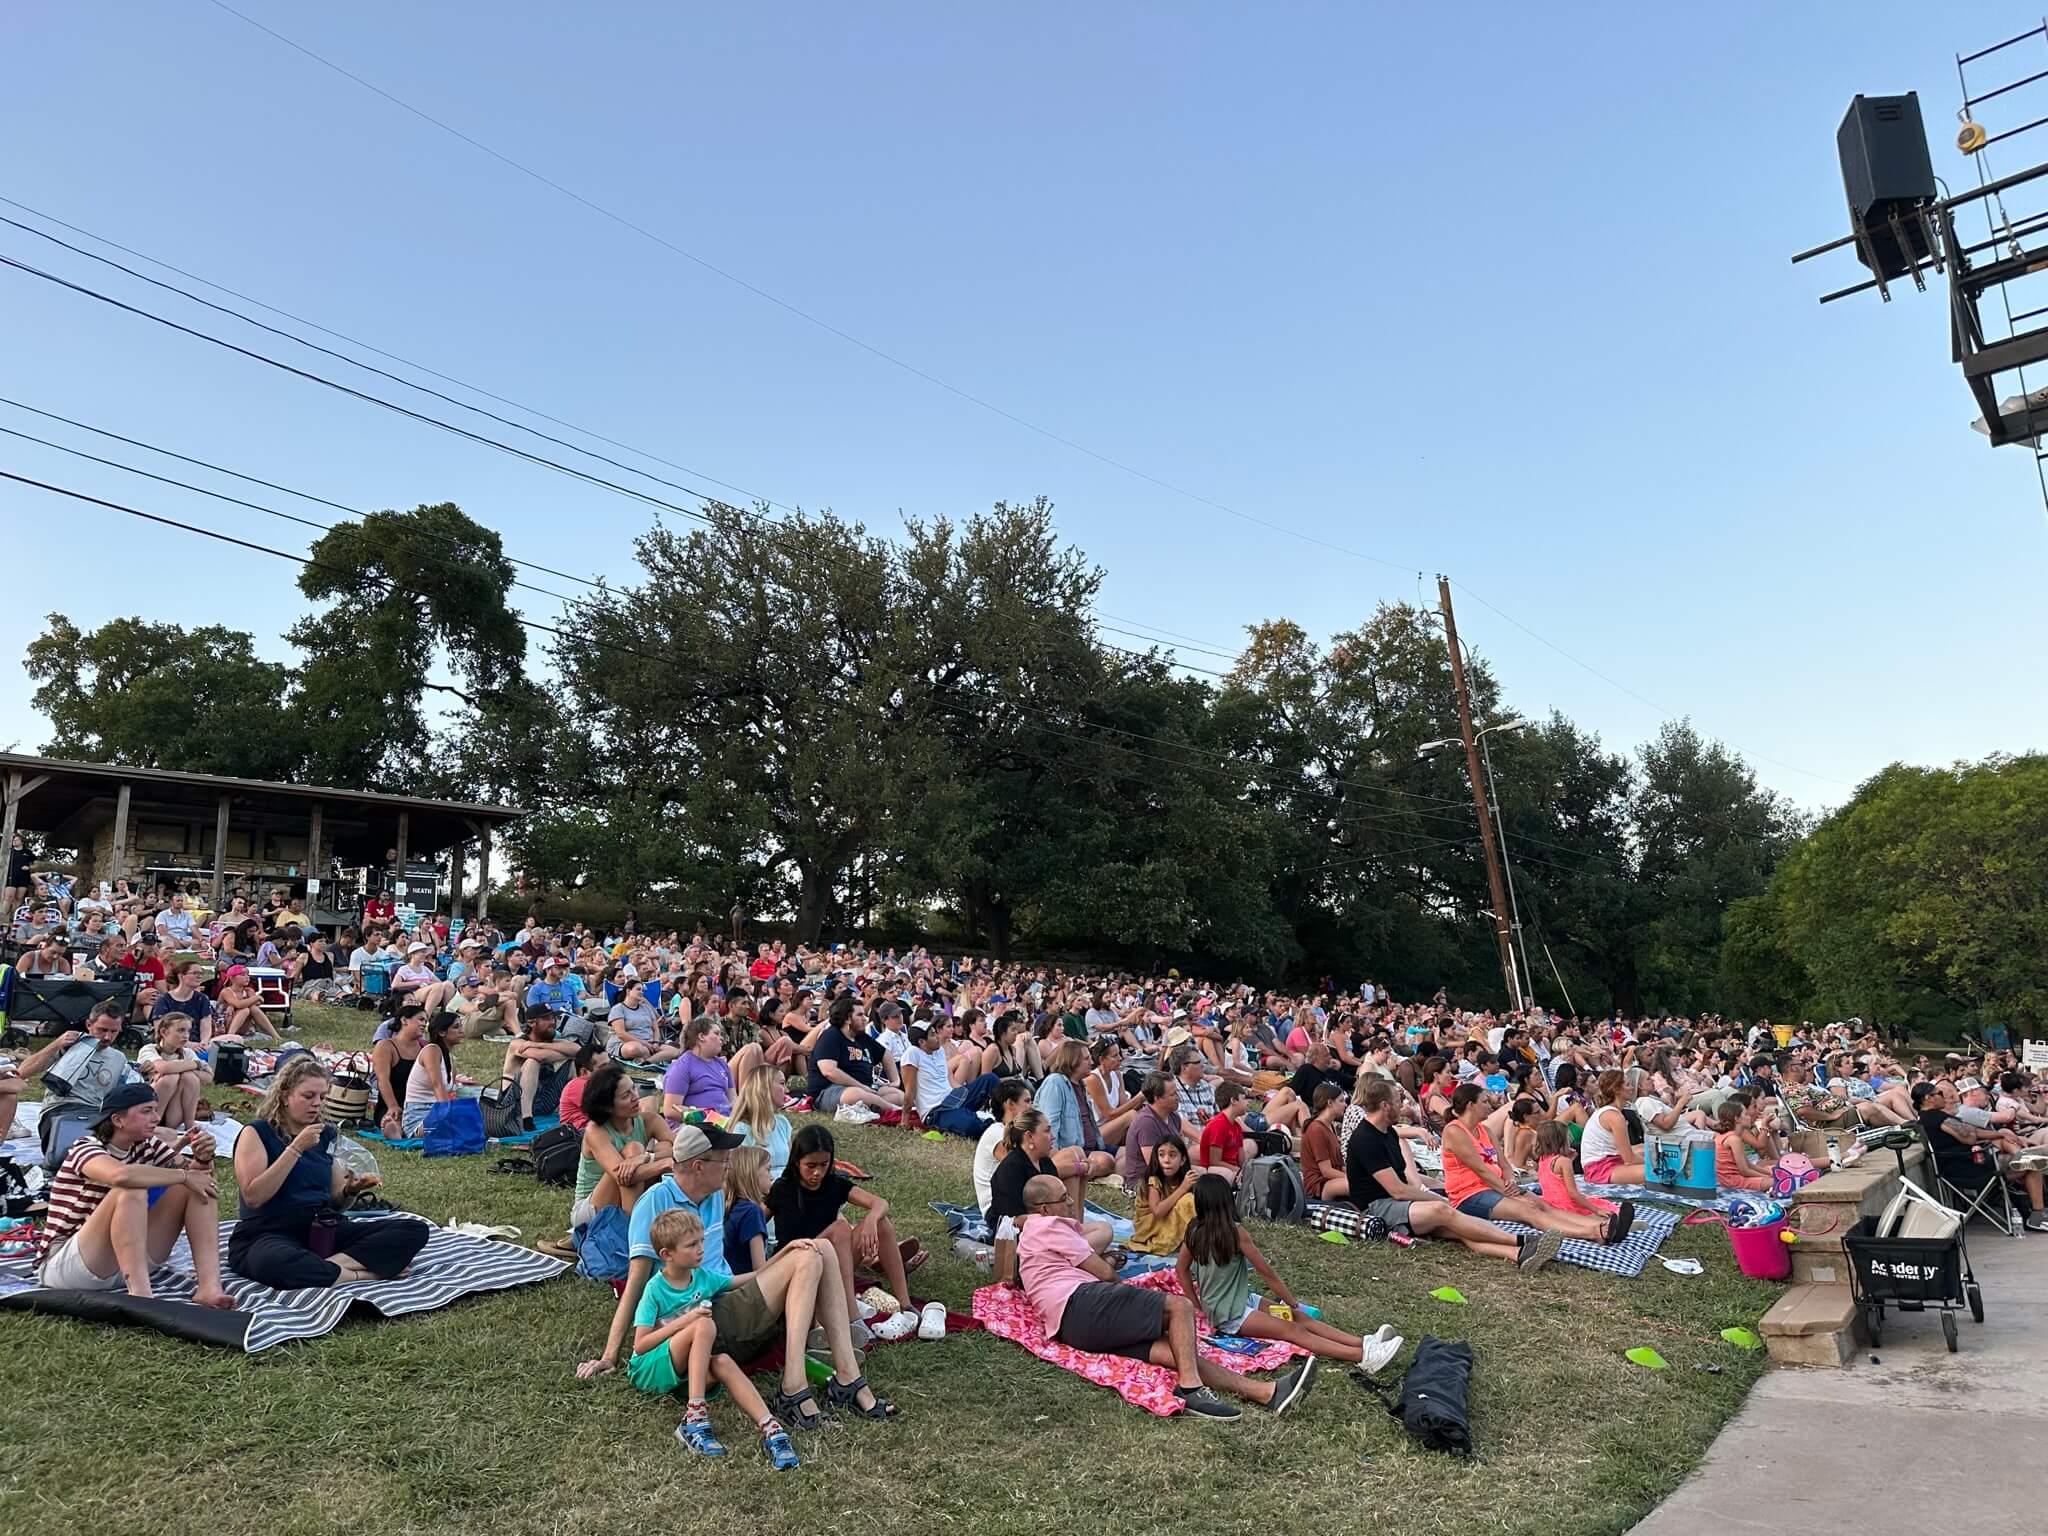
[[1598, 1141], [1112, 1086]]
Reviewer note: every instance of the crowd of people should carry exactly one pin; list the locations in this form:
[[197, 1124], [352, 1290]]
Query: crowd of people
[[674, 1060]]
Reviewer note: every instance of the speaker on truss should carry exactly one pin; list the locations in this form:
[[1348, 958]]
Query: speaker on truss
[[1888, 175]]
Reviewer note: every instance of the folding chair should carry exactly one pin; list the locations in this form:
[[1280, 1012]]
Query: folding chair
[[1991, 1200]]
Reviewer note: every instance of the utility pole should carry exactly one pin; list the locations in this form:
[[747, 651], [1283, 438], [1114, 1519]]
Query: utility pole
[[1478, 782]]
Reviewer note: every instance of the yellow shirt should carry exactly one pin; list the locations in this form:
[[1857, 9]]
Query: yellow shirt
[[1160, 1234]]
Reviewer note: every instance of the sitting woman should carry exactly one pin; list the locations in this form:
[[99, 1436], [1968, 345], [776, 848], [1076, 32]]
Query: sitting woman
[[806, 1201], [1735, 1164], [1568, 1105], [1606, 1154], [1164, 1203], [635, 1026], [173, 1069], [1078, 1150], [1028, 1138], [432, 1079], [241, 1012], [699, 1078], [290, 1232], [1476, 1186], [1513, 1129], [625, 1151], [1012, 1052], [1439, 1078], [757, 1116], [1112, 1102], [391, 1064], [182, 995]]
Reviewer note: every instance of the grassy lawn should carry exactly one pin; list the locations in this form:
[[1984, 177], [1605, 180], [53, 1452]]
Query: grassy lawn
[[472, 1416]]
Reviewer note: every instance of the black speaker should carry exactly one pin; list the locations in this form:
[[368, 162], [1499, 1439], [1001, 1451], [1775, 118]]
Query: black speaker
[[1886, 170]]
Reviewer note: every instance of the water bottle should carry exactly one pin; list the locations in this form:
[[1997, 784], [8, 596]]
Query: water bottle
[[980, 1255]]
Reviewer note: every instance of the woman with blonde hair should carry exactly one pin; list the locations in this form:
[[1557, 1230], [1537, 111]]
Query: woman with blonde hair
[[756, 1116], [290, 1232]]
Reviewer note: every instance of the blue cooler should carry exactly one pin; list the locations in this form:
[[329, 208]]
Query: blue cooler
[[1683, 1161]]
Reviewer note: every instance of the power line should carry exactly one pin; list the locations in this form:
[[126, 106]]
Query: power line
[[448, 378]]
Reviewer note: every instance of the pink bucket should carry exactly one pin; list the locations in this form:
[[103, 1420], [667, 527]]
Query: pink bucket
[[1761, 1252]]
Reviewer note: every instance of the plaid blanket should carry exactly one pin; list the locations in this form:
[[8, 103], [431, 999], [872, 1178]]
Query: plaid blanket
[[1627, 1257], [1007, 1314], [449, 1267]]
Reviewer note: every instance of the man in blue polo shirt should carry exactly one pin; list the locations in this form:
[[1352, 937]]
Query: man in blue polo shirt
[[797, 1287], [559, 992]]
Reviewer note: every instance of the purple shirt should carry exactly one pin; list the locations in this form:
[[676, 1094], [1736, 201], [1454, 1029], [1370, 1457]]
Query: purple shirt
[[701, 1084]]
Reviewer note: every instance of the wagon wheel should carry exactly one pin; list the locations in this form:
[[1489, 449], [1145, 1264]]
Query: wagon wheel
[[1873, 1317], [1975, 1293], [1948, 1330]]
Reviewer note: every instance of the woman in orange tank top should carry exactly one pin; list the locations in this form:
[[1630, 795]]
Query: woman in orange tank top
[[1474, 1183]]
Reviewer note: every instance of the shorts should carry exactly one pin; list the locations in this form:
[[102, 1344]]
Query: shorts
[[1481, 1203], [1105, 1317], [412, 1119], [826, 1101], [1601, 1169], [747, 1325], [1252, 1304], [1393, 1212], [64, 1269], [654, 1370]]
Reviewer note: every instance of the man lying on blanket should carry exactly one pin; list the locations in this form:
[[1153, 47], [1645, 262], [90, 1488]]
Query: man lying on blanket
[[1081, 1304]]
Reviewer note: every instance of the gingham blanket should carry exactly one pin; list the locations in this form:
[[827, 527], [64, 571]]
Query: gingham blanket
[[1627, 1257]]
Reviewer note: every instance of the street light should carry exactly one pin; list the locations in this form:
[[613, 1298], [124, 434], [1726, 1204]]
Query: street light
[[1500, 831]]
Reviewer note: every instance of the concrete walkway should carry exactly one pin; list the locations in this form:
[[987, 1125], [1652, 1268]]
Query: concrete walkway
[[1922, 1441]]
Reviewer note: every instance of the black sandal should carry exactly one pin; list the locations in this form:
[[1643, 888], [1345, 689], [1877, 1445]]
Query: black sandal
[[848, 1396], [790, 1408]]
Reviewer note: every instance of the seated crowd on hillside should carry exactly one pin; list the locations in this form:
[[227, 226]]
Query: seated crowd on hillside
[[677, 1063]]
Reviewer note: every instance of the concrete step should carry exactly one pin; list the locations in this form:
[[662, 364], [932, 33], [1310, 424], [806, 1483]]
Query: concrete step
[[1812, 1325]]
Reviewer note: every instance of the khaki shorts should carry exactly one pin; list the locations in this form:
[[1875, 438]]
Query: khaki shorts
[[747, 1325], [65, 1269]]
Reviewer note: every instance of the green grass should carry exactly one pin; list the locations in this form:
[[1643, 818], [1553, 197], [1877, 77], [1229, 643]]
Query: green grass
[[472, 1416]]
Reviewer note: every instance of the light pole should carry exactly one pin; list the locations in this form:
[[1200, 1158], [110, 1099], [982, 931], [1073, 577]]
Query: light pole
[[1525, 983]]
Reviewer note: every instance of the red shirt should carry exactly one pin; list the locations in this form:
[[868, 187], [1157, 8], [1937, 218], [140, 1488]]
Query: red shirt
[[1222, 1141], [761, 970], [378, 907], [147, 966], [571, 1106]]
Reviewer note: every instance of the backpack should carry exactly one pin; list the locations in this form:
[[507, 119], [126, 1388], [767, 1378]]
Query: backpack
[[603, 1247], [1791, 1172], [85, 1074], [555, 1152], [1435, 1402], [1270, 1189], [501, 1108]]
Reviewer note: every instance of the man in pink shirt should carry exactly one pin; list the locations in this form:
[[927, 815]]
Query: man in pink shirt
[[1080, 1302]]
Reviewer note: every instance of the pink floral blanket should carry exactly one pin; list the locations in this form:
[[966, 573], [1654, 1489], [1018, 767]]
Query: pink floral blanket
[[1006, 1313]]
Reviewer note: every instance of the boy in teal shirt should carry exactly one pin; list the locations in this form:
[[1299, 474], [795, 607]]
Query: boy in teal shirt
[[673, 1328]]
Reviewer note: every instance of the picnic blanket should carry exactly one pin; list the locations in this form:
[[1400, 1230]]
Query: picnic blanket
[[965, 1221], [414, 1143], [1626, 1257], [1719, 1201], [449, 1267], [1007, 1314]]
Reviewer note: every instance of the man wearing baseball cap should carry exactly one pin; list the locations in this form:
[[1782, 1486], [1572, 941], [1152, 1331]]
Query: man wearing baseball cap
[[557, 990], [799, 1286], [105, 1232]]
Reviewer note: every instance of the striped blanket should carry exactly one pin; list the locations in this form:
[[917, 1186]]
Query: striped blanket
[[451, 1266]]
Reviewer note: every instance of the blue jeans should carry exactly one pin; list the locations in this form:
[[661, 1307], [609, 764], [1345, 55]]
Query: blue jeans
[[956, 1112]]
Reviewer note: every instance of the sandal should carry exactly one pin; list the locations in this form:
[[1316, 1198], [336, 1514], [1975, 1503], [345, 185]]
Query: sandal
[[799, 1409], [848, 1396]]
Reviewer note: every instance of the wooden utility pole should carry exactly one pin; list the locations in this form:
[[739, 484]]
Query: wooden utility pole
[[1493, 874]]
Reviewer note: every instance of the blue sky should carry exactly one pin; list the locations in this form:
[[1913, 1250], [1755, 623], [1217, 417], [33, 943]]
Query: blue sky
[[1505, 296]]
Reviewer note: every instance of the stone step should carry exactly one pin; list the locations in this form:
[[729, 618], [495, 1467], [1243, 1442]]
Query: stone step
[[1812, 1325]]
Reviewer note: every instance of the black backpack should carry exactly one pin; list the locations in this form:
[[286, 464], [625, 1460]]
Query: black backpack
[[1436, 1396], [555, 1152]]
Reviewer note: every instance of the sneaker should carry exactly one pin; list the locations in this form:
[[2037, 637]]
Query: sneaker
[[1293, 1387], [2038, 1222], [781, 1454], [1538, 1250], [898, 1325], [1380, 1349], [1628, 1219], [697, 1435], [1207, 1406]]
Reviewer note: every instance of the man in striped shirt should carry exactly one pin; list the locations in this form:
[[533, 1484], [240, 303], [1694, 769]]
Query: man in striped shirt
[[105, 1231]]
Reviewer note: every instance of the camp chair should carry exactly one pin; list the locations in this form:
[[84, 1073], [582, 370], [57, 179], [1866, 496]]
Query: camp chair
[[1991, 1200]]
